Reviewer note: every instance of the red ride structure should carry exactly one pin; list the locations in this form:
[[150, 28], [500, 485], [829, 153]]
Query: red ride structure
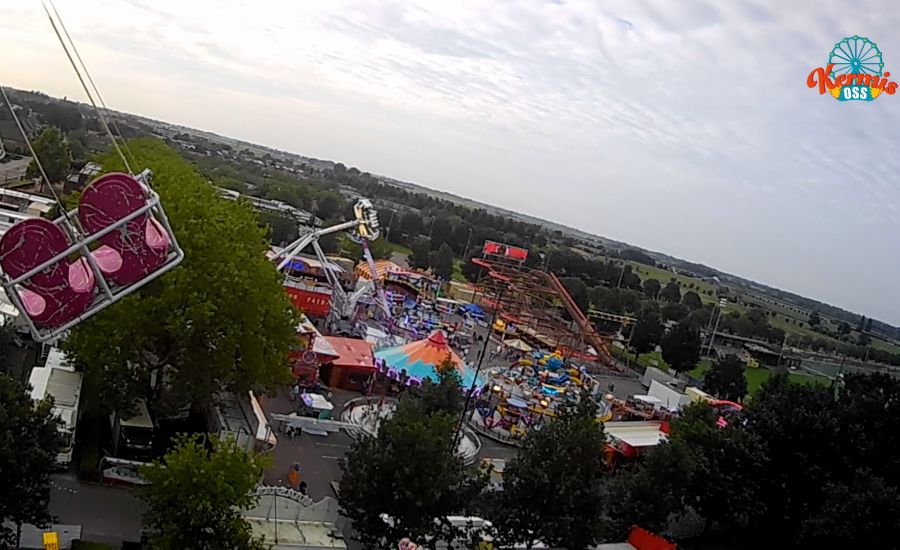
[[535, 307]]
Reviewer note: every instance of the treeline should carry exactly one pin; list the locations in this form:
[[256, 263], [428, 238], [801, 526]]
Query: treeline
[[801, 467]]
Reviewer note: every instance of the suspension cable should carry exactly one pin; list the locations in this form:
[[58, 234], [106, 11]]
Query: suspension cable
[[87, 73], [86, 89], [37, 160]]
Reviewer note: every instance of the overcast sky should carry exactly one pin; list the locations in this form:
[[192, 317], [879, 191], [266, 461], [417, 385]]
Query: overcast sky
[[682, 127]]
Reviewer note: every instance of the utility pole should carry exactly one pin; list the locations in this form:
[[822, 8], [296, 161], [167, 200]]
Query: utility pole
[[712, 337], [781, 354], [387, 233], [621, 274], [547, 261], [487, 341], [468, 240]]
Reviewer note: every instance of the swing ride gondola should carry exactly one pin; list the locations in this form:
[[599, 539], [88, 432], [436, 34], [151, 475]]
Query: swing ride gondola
[[59, 273]]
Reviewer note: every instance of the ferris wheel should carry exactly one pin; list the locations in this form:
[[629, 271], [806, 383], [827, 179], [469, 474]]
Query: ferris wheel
[[855, 55]]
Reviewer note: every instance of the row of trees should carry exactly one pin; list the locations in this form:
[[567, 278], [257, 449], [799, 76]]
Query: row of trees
[[805, 466]]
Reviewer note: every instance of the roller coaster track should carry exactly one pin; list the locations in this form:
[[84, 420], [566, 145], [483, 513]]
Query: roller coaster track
[[532, 300]]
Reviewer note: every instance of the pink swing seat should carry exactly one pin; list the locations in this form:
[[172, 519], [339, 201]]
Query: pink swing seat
[[130, 252], [59, 293]]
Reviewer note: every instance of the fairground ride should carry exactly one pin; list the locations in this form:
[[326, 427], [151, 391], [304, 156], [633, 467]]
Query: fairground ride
[[534, 306], [340, 303]]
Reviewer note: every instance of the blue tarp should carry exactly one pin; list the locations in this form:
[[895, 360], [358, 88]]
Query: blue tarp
[[473, 309]]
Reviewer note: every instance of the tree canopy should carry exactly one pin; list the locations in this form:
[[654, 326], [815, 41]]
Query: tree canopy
[[647, 333], [442, 262], [651, 288], [29, 441], [195, 496], [410, 472], [552, 487], [692, 300], [726, 379], [52, 149], [671, 292], [681, 346], [220, 319]]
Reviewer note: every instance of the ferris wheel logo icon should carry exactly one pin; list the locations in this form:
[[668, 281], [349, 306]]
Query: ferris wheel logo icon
[[855, 72]]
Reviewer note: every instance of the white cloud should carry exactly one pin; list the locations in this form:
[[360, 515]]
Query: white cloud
[[683, 127]]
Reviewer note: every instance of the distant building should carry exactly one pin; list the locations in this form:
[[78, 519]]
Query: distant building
[[271, 206], [84, 176]]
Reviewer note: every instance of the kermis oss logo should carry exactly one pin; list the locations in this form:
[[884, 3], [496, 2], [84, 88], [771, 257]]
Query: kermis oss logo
[[853, 72]]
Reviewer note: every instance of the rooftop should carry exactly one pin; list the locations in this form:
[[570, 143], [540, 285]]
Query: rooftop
[[352, 352]]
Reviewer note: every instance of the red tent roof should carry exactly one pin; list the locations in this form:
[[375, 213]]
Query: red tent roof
[[353, 352]]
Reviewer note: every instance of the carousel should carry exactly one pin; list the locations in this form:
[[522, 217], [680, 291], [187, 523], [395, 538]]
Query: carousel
[[527, 394]]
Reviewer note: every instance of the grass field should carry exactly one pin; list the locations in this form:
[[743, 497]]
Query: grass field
[[756, 377], [645, 271], [457, 271], [884, 345]]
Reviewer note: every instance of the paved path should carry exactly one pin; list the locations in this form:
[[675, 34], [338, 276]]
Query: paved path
[[107, 514]]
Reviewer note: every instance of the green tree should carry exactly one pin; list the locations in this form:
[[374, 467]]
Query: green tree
[[442, 262], [726, 379], [651, 288], [796, 426], [861, 513], [195, 496], [671, 292], [421, 253], [814, 319], [52, 149], [411, 224], [552, 489], [445, 395], [281, 230], [674, 312], [328, 205], [649, 492], [578, 291], [647, 333], [409, 473], [29, 441], [844, 328], [76, 148], [681, 347], [692, 300], [725, 468], [441, 232], [220, 319]]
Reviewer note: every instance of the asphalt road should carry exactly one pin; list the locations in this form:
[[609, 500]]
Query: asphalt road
[[106, 514]]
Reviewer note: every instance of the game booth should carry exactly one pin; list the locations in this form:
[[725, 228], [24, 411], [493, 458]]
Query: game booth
[[353, 367], [309, 353]]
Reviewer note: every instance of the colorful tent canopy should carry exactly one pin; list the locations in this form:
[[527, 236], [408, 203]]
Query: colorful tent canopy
[[382, 267], [420, 358], [518, 344]]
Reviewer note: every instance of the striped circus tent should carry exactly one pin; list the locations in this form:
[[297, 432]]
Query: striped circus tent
[[382, 267], [420, 358]]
